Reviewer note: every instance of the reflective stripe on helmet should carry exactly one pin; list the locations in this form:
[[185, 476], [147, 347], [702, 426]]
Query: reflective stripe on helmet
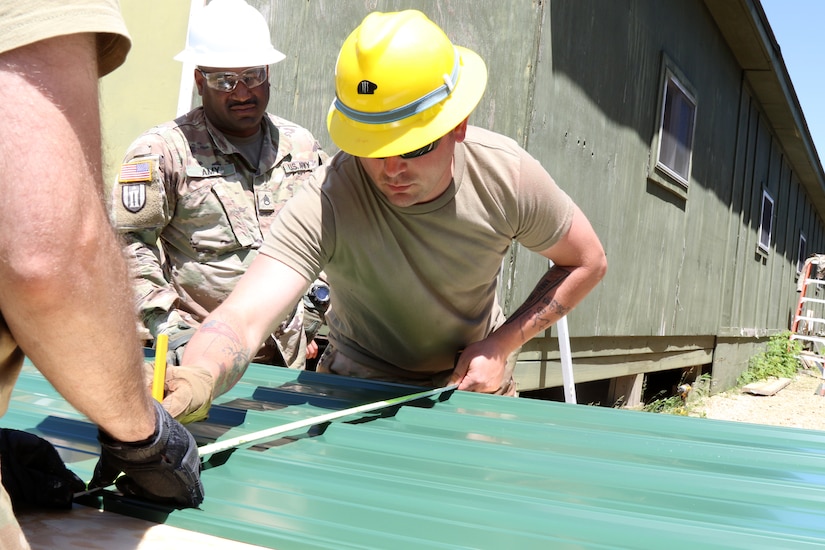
[[405, 111]]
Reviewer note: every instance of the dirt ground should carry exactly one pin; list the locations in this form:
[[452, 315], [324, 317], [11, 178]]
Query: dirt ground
[[797, 405]]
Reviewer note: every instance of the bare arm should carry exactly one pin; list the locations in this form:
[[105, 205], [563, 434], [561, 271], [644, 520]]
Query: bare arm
[[65, 294], [580, 264], [233, 332]]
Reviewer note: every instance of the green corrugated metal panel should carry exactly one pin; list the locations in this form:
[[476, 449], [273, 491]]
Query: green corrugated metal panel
[[474, 471]]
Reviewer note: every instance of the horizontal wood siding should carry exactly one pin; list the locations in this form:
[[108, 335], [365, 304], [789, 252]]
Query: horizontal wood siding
[[578, 83]]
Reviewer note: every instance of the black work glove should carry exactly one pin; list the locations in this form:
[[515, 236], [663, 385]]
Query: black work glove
[[33, 473], [165, 468], [187, 391]]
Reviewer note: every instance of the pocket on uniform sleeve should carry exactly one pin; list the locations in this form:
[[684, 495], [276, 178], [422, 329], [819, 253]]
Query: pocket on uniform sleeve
[[139, 197]]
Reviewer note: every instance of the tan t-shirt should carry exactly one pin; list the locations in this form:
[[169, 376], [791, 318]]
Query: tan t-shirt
[[412, 286], [29, 21], [26, 22]]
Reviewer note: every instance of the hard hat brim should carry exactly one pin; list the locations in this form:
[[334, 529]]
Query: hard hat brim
[[231, 60], [388, 140]]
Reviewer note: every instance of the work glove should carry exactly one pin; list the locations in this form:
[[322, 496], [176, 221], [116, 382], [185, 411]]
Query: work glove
[[187, 391], [34, 474], [164, 468]]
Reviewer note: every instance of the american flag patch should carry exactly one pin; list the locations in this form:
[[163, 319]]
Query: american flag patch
[[136, 170]]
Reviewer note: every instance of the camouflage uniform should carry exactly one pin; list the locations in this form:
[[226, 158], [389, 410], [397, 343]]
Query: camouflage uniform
[[193, 212]]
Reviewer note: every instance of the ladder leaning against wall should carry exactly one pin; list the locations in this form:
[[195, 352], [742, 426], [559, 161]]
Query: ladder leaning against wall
[[808, 324]]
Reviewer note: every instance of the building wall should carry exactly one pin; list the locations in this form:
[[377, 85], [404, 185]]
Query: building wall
[[144, 91], [578, 83], [686, 285]]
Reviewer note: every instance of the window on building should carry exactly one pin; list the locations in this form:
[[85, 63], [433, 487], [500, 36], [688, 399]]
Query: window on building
[[676, 125], [672, 144], [766, 222], [802, 254]]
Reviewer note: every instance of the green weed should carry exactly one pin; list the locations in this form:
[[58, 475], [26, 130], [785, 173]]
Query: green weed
[[681, 403], [674, 404], [778, 360]]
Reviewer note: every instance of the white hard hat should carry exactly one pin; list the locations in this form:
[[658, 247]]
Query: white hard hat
[[229, 33]]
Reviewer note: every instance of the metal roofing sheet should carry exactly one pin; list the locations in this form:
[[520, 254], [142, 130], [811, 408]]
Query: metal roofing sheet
[[471, 471]]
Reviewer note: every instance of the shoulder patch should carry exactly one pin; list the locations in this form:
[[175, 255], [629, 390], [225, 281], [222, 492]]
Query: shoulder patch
[[135, 170], [133, 196], [138, 197]]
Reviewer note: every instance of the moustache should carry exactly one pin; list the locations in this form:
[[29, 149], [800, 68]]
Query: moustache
[[251, 102]]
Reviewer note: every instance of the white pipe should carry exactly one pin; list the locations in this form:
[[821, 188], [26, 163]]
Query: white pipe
[[566, 357], [566, 361]]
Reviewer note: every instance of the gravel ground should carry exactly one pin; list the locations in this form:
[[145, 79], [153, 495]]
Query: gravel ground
[[797, 405]]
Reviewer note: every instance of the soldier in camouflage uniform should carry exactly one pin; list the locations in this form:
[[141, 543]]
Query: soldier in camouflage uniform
[[195, 196]]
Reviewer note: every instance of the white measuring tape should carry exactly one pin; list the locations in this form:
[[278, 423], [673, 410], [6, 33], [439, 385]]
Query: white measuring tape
[[268, 433]]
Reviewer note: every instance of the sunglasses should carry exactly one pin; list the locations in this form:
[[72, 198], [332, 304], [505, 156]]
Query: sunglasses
[[226, 82], [422, 151]]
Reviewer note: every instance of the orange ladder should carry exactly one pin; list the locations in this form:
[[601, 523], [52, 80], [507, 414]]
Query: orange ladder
[[813, 330]]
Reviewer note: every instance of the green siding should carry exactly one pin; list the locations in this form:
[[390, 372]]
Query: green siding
[[578, 83]]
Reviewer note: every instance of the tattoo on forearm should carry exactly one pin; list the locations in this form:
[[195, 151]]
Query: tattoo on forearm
[[553, 278], [234, 356], [552, 308], [541, 303]]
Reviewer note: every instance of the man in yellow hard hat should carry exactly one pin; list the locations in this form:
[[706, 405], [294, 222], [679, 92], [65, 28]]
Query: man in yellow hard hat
[[410, 222], [195, 196]]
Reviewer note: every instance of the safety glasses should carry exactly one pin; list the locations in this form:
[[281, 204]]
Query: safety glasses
[[422, 151], [226, 82]]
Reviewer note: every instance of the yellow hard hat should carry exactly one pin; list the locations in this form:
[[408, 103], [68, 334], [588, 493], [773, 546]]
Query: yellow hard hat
[[401, 84]]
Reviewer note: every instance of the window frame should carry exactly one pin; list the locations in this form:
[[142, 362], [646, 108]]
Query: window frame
[[801, 252], [765, 248], [658, 171]]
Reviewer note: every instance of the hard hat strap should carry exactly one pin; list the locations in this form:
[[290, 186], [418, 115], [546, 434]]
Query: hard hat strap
[[414, 107]]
